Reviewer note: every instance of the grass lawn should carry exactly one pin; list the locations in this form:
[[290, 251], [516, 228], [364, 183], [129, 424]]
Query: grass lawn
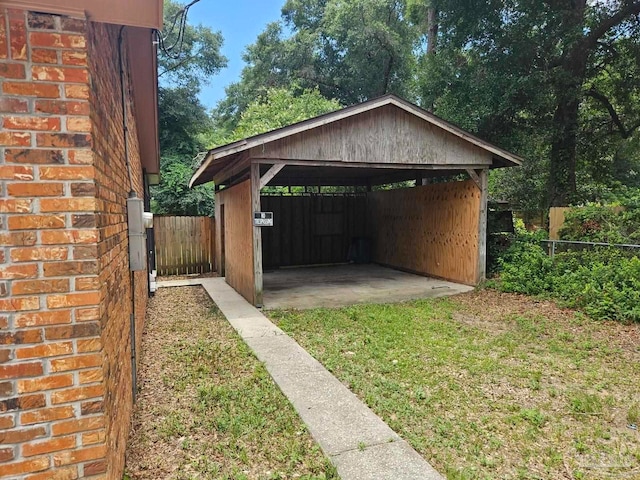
[[206, 407], [488, 385]]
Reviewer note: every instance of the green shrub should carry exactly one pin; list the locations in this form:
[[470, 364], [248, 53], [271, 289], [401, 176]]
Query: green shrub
[[525, 268], [604, 283], [618, 222], [592, 223]]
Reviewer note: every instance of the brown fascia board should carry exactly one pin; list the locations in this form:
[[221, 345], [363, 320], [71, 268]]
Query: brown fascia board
[[133, 13], [504, 157], [141, 17], [144, 77]]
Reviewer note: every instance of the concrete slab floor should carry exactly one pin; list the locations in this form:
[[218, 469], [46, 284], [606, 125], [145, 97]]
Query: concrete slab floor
[[341, 285]]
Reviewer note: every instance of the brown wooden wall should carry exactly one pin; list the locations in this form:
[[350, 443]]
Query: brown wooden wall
[[238, 233], [184, 245], [431, 229], [311, 230], [385, 135]]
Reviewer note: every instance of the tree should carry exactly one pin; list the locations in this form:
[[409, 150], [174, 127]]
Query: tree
[[505, 68], [183, 120], [191, 55], [349, 50], [586, 28], [174, 197], [275, 108], [282, 107]]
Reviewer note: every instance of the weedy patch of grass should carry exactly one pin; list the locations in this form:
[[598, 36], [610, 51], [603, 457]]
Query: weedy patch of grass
[[489, 385], [633, 413], [207, 408]]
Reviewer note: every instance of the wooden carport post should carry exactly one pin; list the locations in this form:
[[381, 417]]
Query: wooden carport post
[[257, 184], [257, 235], [481, 178]]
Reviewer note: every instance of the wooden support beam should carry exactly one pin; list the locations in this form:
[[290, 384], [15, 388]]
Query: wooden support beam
[[475, 177], [272, 172], [257, 236], [396, 166], [483, 179], [232, 169]]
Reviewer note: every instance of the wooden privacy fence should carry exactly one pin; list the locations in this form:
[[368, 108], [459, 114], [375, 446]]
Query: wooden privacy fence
[[309, 230], [556, 219], [184, 245]]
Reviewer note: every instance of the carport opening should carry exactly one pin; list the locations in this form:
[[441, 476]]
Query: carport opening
[[341, 244]]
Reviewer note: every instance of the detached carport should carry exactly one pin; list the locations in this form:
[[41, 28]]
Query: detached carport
[[434, 228]]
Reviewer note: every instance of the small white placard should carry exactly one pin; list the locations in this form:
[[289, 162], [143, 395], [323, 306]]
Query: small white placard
[[263, 219]]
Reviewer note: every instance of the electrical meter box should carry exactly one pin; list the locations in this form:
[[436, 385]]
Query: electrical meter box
[[137, 234]]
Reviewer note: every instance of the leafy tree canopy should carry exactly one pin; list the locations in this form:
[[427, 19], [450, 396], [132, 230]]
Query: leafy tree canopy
[[183, 120], [281, 107], [195, 56], [350, 50], [551, 81]]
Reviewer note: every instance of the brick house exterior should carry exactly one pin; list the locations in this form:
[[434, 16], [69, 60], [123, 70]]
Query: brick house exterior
[[66, 292]]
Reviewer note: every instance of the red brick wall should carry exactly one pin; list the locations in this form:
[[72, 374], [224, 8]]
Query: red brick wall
[[65, 357], [112, 189]]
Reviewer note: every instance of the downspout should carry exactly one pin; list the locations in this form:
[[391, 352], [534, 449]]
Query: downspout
[[132, 194]]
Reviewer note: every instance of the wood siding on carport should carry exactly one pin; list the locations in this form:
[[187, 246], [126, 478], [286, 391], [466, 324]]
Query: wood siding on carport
[[431, 230], [238, 233], [385, 135], [310, 230]]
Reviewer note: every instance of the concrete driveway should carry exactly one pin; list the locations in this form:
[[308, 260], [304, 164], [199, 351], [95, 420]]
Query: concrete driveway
[[341, 285]]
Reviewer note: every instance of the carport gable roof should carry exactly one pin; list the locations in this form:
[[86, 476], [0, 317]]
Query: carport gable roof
[[220, 158]]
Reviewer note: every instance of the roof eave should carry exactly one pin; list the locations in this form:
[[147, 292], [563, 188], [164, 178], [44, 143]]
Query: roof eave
[[389, 99]]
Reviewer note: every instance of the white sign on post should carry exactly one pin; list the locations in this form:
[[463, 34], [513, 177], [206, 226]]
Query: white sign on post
[[263, 219]]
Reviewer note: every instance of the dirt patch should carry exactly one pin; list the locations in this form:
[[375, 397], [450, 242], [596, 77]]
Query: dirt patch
[[494, 311]]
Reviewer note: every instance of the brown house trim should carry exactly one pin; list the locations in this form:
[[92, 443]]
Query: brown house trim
[[133, 13]]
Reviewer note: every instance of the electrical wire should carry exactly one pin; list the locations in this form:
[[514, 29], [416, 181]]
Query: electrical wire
[[175, 50]]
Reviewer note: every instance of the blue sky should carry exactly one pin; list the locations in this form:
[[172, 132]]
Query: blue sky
[[240, 22]]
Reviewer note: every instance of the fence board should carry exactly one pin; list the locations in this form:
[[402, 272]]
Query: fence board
[[184, 245], [556, 220], [311, 229]]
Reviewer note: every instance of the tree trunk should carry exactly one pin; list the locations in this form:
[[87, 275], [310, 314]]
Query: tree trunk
[[432, 30], [567, 82], [432, 40], [562, 168]]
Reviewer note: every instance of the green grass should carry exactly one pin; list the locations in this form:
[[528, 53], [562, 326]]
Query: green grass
[[208, 408], [485, 386]]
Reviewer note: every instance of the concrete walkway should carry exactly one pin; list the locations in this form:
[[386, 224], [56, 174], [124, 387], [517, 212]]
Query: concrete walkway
[[357, 441]]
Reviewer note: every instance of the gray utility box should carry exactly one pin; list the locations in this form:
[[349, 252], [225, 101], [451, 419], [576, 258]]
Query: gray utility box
[[137, 234]]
